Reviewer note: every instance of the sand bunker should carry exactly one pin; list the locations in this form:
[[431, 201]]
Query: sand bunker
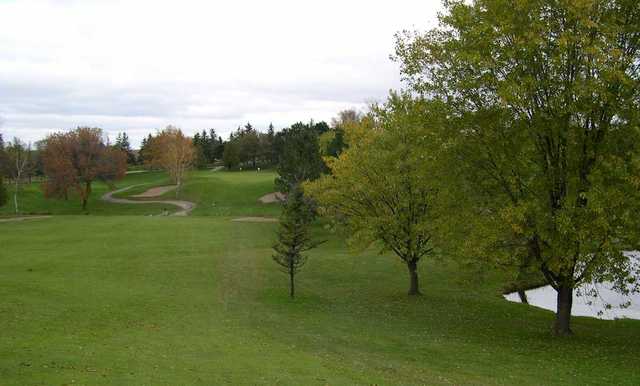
[[255, 219], [272, 197], [156, 192]]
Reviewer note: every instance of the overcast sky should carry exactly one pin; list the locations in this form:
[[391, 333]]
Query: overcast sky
[[136, 66]]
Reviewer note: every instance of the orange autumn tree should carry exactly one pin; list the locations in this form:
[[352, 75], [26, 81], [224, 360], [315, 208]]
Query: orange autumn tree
[[173, 152], [75, 159]]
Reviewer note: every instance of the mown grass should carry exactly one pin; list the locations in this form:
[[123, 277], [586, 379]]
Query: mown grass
[[31, 199], [215, 194], [223, 193], [197, 300]]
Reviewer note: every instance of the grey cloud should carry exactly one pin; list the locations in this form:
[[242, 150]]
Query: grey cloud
[[66, 63]]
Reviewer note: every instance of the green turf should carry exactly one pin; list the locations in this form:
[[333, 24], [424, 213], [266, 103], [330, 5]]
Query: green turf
[[219, 193], [223, 193], [140, 300], [32, 201]]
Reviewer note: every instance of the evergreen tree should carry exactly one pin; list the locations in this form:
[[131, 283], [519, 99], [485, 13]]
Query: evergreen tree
[[293, 237], [210, 146], [321, 127], [219, 149], [216, 144], [144, 154], [299, 157], [4, 159], [249, 145], [231, 156], [270, 151], [199, 143], [4, 196], [122, 143]]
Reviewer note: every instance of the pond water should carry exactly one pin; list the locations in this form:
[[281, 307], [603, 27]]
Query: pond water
[[545, 297]]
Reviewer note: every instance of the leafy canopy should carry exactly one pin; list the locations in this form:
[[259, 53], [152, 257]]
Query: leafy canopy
[[379, 188], [298, 152], [73, 160], [541, 100]]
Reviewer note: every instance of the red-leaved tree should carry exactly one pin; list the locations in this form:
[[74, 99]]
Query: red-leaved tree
[[75, 159]]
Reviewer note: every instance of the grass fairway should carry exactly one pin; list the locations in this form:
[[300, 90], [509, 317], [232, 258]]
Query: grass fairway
[[121, 299], [229, 193]]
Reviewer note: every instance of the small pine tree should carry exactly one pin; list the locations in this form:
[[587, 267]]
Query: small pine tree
[[4, 197], [293, 237]]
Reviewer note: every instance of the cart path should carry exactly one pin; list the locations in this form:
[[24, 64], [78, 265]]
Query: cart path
[[185, 206]]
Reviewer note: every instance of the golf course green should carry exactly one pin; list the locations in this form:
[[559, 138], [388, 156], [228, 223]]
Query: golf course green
[[123, 295]]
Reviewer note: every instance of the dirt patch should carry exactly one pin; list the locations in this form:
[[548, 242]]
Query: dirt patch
[[13, 219], [156, 192], [272, 197], [255, 219]]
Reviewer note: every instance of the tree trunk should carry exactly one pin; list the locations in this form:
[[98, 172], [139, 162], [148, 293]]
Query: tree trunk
[[562, 326], [523, 297], [292, 287], [414, 288], [525, 263], [15, 195], [85, 195]]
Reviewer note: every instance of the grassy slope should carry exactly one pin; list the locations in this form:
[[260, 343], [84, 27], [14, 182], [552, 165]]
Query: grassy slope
[[229, 193], [196, 300]]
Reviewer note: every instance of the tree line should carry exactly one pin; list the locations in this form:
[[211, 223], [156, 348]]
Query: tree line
[[18, 162], [69, 162]]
